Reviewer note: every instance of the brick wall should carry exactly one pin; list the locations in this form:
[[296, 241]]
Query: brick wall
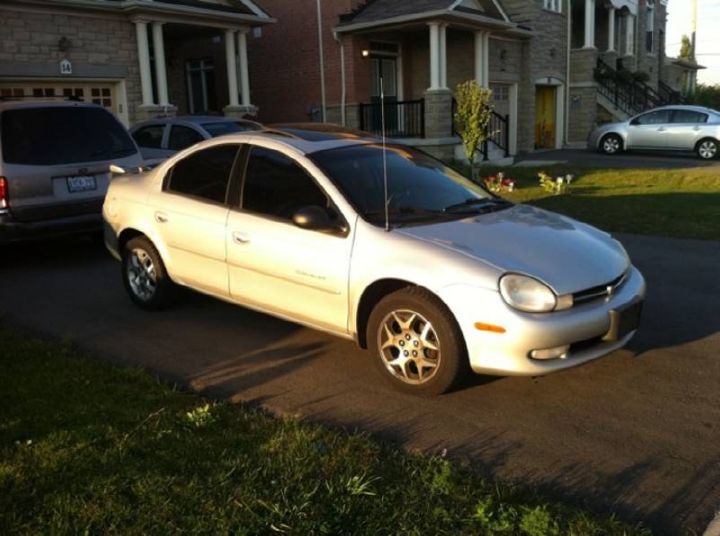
[[31, 38]]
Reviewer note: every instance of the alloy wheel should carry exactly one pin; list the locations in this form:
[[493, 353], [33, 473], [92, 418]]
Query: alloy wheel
[[141, 274], [409, 346], [611, 145], [707, 150]]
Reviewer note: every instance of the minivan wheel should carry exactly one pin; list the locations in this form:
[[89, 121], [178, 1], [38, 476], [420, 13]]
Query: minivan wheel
[[144, 275], [707, 149], [611, 144], [416, 342]]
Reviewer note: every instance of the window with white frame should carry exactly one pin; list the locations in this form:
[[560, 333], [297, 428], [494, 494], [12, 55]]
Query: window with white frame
[[553, 5], [650, 26]]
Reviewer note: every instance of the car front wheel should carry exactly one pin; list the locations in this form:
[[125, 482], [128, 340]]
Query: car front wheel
[[416, 342], [611, 144], [144, 275], [707, 149]]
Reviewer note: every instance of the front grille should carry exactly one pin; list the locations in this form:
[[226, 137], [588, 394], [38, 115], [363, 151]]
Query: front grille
[[601, 291]]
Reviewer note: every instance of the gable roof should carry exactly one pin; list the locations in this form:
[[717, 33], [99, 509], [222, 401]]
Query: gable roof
[[379, 10]]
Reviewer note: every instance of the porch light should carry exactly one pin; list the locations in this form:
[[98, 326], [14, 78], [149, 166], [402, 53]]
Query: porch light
[[365, 53]]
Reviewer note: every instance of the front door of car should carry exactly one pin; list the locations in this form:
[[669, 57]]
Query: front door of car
[[685, 129], [649, 131], [190, 216], [276, 265]]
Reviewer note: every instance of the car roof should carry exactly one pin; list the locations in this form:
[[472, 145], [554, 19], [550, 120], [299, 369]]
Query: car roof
[[688, 107], [41, 103], [299, 144]]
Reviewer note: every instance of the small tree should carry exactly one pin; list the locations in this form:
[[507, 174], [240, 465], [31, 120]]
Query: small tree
[[472, 117], [686, 51]]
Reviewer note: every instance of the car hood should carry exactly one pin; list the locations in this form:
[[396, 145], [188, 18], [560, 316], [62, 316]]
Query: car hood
[[567, 255]]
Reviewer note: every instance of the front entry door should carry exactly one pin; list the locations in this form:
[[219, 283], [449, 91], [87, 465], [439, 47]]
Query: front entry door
[[384, 70], [545, 114]]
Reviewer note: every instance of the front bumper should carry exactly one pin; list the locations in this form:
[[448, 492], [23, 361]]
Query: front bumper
[[12, 230], [583, 327]]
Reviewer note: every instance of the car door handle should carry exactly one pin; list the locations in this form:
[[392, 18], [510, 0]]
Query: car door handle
[[161, 217], [661, 129], [240, 238]]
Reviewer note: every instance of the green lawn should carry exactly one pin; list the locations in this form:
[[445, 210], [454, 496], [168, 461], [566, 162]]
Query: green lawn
[[683, 203], [89, 448]]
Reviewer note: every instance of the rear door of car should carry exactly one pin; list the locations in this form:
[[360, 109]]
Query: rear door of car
[[686, 129], [273, 263], [56, 158], [183, 136], [152, 140], [649, 131], [190, 213]]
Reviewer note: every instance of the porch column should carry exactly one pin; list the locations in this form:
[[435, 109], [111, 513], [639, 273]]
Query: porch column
[[243, 76], [144, 61], [160, 72], [589, 24], [629, 35], [232, 75], [443, 55], [434, 55], [480, 58], [611, 30], [486, 60]]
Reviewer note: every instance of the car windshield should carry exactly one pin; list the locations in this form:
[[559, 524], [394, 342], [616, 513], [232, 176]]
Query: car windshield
[[420, 188], [220, 128], [62, 135]]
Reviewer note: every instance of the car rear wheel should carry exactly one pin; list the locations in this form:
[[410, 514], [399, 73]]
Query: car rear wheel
[[416, 342], [144, 275], [611, 144], [707, 149]]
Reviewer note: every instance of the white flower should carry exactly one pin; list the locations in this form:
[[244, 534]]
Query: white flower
[[560, 180]]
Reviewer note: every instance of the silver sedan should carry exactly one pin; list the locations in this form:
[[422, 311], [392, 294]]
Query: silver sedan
[[670, 128]]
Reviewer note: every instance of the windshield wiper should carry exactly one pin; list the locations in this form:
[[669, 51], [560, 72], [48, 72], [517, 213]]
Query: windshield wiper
[[474, 204]]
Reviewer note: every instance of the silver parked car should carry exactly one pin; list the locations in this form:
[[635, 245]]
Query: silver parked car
[[163, 137], [670, 128], [54, 162], [441, 278]]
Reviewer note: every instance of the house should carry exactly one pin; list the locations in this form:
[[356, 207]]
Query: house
[[556, 67], [137, 58]]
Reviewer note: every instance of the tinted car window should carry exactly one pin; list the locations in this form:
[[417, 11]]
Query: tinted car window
[[275, 185], [62, 135], [418, 185], [220, 128], [653, 118], [150, 136], [183, 137], [204, 174], [689, 116]]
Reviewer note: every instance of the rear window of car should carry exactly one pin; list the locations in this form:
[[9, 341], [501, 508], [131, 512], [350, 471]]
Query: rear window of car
[[62, 135], [223, 127]]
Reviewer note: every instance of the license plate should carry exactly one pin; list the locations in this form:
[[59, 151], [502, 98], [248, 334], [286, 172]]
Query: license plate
[[623, 321], [81, 183]]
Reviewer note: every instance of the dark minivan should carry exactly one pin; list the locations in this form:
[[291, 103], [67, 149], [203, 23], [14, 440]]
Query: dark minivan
[[54, 167]]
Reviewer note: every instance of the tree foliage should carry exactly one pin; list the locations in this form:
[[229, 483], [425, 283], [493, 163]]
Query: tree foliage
[[686, 51], [707, 95], [472, 116]]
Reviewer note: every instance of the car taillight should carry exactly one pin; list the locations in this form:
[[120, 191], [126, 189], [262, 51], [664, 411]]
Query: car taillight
[[4, 202]]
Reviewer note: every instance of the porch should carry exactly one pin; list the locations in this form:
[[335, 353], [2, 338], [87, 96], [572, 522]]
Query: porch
[[415, 64]]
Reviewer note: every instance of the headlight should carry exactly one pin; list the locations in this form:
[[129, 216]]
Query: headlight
[[527, 294]]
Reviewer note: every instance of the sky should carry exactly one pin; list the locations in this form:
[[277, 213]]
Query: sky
[[708, 36]]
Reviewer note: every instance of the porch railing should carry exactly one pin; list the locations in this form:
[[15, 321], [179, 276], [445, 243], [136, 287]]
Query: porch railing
[[403, 119], [624, 92]]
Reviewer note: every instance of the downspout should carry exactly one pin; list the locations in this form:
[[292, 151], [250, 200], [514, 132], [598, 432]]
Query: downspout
[[343, 97], [321, 53], [567, 73]]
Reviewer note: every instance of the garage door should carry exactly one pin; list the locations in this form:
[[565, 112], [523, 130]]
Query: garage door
[[103, 94]]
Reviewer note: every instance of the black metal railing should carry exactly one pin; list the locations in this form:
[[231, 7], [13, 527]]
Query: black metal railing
[[669, 95], [626, 93], [498, 132], [403, 119]]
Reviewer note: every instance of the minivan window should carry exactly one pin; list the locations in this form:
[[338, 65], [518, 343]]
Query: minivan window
[[47, 136]]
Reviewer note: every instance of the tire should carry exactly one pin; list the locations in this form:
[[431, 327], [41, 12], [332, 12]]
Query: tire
[[611, 144], [707, 149], [428, 361], [144, 275]]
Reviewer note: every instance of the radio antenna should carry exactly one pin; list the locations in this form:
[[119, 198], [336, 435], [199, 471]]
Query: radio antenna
[[384, 154]]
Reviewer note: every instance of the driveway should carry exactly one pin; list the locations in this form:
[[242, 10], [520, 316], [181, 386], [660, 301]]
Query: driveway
[[631, 160], [636, 432]]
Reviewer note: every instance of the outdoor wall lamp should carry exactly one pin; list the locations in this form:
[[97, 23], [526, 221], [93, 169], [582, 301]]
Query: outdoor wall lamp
[[365, 53], [64, 44]]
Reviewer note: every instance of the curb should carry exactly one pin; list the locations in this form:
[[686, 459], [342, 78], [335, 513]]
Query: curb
[[713, 529]]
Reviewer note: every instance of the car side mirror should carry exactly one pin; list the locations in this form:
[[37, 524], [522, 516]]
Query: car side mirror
[[314, 218]]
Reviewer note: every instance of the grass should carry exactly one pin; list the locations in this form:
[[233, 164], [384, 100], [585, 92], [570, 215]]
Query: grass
[[89, 448], [681, 203]]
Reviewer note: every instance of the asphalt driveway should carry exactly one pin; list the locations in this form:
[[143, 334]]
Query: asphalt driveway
[[637, 432], [630, 160]]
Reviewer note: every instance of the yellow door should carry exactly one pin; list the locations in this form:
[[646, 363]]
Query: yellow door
[[545, 113]]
